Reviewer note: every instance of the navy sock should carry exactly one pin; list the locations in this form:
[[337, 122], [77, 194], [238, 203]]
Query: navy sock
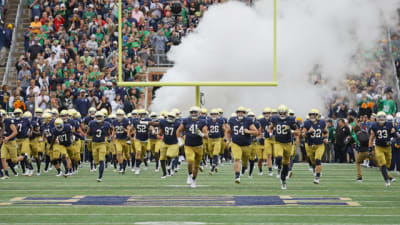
[[384, 173], [6, 173], [237, 175], [215, 160], [23, 166], [243, 169], [251, 167], [138, 163], [318, 175], [124, 164], [101, 169], [163, 167], [270, 169], [284, 172], [279, 162], [11, 166]]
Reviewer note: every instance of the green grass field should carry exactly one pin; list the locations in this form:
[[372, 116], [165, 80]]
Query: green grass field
[[377, 204]]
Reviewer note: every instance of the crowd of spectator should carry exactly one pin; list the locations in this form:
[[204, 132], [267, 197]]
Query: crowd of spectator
[[72, 51]]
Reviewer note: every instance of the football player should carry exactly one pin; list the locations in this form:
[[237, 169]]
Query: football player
[[121, 132], [153, 140], [169, 148], [9, 145], [240, 130], [47, 137], [381, 132], [23, 125], [224, 152], [283, 126], [35, 139], [261, 153], [60, 145], [214, 124], [86, 121], [265, 123], [206, 153], [316, 131], [141, 130], [253, 144], [99, 130], [195, 130]]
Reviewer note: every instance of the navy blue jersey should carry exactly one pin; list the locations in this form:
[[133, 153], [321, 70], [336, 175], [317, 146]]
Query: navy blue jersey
[[35, 126], [108, 120], [142, 130], [98, 131], [169, 131], [77, 124], [225, 121], [265, 124], [257, 125], [193, 139], [315, 138], [239, 137], [7, 127], [215, 128], [283, 128], [120, 127], [38, 120], [383, 133], [153, 136], [46, 130], [63, 136], [23, 125], [87, 120]]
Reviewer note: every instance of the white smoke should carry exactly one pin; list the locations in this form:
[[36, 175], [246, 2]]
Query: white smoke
[[234, 42]]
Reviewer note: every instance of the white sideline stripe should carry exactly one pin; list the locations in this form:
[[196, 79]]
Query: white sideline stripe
[[267, 207], [195, 214]]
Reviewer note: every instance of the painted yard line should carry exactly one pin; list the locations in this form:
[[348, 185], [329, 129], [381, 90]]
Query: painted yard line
[[196, 214], [183, 223], [267, 207], [385, 191]]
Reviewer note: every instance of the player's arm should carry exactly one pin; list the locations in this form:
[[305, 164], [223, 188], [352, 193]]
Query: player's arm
[[271, 129], [325, 135], [13, 134], [228, 135], [179, 131], [205, 131], [252, 131], [371, 139]]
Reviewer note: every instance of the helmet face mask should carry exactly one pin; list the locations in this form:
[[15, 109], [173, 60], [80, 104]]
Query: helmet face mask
[[142, 116], [267, 115], [170, 119], [120, 117], [312, 116], [381, 119], [99, 118], [17, 115], [214, 116], [282, 115], [59, 127], [240, 115], [194, 114]]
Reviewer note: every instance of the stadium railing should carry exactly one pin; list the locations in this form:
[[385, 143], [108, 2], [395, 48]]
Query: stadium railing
[[13, 42]]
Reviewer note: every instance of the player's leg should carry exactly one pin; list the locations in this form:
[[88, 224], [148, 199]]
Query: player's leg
[[268, 154], [163, 159], [198, 156], [190, 157], [286, 152], [35, 154], [138, 155], [380, 157], [10, 149], [278, 151], [101, 153], [252, 158], [388, 157], [118, 150], [237, 158], [143, 155], [157, 147], [319, 152]]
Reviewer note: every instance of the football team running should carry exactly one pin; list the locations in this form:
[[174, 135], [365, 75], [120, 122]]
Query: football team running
[[127, 141]]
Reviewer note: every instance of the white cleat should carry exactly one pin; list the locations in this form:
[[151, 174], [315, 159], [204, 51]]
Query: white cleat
[[316, 181], [271, 174], [193, 184], [26, 173], [392, 179], [387, 183], [163, 177], [283, 186], [16, 175], [46, 171], [30, 173], [59, 174], [237, 180], [91, 170], [99, 180], [133, 169], [37, 174], [172, 172], [157, 170], [137, 172], [5, 177], [260, 173], [189, 180]]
